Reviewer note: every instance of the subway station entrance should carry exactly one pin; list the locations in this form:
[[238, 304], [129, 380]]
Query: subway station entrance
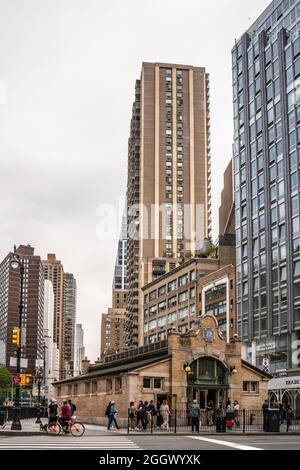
[[208, 382]]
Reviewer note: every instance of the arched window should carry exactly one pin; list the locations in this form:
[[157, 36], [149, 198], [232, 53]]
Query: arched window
[[209, 371]]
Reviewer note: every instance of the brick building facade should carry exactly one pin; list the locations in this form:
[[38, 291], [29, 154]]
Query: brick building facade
[[158, 371]]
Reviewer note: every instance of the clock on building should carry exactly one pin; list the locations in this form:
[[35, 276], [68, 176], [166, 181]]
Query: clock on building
[[208, 335]]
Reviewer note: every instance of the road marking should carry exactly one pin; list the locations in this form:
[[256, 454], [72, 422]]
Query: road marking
[[225, 443], [57, 443]]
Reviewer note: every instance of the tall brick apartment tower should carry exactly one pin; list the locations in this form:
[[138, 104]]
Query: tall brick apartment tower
[[168, 190], [33, 308], [64, 288]]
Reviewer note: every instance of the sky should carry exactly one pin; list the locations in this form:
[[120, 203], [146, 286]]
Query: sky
[[67, 75]]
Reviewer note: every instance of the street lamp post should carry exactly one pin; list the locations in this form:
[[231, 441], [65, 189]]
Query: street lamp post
[[16, 263]]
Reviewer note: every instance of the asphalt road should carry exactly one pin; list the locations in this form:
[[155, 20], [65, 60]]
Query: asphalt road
[[164, 442]]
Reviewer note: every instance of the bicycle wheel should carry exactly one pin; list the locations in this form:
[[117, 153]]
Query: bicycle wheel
[[77, 429], [55, 429]]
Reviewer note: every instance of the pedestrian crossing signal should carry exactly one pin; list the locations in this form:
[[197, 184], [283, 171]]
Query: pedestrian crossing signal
[[26, 380], [16, 336]]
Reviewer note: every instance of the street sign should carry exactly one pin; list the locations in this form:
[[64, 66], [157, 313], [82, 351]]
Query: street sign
[[13, 362], [15, 379]]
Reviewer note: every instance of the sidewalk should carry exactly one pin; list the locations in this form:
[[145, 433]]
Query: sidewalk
[[31, 428]]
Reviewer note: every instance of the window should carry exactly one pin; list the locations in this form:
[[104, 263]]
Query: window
[[108, 385], [250, 387], [75, 389], [183, 297], [183, 280], [152, 295], [87, 388], [157, 383], [94, 386], [297, 268], [147, 382], [172, 317], [162, 290], [172, 301], [118, 384], [172, 286]]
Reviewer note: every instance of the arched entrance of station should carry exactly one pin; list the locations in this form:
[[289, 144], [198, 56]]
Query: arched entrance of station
[[208, 382]]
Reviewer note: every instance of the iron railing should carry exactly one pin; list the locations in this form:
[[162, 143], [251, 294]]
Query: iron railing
[[245, 421]]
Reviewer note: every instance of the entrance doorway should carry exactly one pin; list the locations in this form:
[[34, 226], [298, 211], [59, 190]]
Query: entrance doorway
[[208, 383]]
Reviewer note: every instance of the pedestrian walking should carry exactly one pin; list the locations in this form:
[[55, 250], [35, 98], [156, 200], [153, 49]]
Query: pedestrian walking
[[144, 416], [210, 413], [112, 416], [289, 417], [107, 412], [132, 416], [236, 413], [195, 411], [52, 413], [139, 413], [72, 406], [152, 414], [165, 414]]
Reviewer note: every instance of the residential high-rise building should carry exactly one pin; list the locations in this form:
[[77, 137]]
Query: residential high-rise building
[[227, 208], [119, 280], [119, 287], [112, 331], [168, 189], [266, 73], [64, 287], [54, 272], [50, 355], [79, 349], [69, 320], [32, 313]]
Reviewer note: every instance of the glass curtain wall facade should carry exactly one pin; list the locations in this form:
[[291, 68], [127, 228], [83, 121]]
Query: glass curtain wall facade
[[266, 103]]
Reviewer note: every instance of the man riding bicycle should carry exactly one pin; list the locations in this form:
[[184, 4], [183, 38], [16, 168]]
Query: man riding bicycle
[[66, 414]]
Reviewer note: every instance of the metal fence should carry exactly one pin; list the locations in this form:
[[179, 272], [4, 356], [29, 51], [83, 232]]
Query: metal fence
[[26, 412], [245, 421]]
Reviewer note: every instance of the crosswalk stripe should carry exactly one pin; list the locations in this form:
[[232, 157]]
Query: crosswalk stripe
[[225, 443], [56, 443]]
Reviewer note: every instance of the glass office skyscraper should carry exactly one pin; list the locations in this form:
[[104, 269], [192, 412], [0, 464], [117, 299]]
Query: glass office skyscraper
[[266, 101]]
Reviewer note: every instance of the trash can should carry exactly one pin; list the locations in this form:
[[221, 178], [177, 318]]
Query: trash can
[[220, 424], [2, 417], [272, 420]]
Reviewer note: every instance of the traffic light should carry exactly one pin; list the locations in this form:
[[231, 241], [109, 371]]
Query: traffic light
[[26, 380], [16, 336]]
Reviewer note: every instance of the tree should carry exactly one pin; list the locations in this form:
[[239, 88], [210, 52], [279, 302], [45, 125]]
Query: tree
[[5, 377], [5, 383]]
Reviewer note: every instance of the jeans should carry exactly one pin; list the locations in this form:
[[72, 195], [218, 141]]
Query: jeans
[[112, 419], [195, 423], [64, 422]]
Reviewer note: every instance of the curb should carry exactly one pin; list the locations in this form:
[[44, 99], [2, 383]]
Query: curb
[[20, 433]]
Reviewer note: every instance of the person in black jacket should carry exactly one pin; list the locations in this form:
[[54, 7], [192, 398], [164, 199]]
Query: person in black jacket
[[72, 406]]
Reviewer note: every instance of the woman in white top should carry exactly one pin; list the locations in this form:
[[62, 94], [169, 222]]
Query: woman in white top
[[236, 409], [165, 414]]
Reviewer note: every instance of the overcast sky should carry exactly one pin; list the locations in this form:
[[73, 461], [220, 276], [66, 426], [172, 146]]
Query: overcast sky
[[68, 68]]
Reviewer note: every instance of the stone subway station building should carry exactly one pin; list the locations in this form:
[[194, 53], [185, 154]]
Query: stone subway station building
[[158, 371]]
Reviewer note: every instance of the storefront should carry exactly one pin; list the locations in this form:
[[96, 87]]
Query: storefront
[[285, 390]]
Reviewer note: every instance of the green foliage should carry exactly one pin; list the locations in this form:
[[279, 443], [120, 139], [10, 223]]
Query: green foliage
[[5, 377], [211, 251], [5, 383]]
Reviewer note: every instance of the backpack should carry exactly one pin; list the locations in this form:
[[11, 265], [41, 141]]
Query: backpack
[[107, 411]]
